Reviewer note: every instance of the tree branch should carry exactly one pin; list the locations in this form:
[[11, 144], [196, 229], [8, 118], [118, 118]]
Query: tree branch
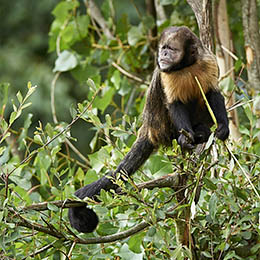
[[95, 13], [129, 75], [114, 237]]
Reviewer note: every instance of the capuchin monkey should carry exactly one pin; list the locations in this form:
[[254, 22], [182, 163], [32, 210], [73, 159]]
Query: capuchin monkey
[[174, 103]]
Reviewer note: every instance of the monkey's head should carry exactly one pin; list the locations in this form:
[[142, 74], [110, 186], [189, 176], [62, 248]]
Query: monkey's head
[[178, 48]]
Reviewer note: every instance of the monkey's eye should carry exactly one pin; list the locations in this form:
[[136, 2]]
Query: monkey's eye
[[169, 48]]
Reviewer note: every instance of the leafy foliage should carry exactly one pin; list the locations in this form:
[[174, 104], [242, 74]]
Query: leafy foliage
[[39, 173]]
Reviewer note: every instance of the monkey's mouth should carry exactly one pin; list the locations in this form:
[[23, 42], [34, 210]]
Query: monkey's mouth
[[164, 64], [165, 61]]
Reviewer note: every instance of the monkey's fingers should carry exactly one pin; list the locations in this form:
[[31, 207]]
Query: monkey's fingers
[[222, 132], [185, 143]]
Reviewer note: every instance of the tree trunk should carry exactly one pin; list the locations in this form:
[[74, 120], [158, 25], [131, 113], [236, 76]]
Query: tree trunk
[[252, 48], [225, 61], [203, 13]]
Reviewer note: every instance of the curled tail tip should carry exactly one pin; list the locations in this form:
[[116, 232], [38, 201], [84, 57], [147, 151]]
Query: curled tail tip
[[83, 219]]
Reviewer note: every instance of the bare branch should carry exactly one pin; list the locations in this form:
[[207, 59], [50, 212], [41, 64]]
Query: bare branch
[[161, 15], [114, 237], [95, 13], [129, 75]]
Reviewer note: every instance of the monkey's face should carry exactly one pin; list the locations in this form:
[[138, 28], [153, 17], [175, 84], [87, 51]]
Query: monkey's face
[[170, 55], [178, 48]]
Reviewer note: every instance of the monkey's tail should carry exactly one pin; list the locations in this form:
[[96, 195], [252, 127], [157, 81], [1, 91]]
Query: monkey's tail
[[83, 219]]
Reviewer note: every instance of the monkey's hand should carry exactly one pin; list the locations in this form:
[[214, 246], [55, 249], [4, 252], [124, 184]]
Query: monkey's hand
[[222, 132], [186, 140], [84, 219]]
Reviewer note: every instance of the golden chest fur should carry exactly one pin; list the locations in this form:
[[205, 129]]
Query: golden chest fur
[[181, 85]]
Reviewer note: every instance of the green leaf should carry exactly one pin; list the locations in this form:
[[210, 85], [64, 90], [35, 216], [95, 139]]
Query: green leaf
[[158, 165], [135, 243], [227, 84], [126, 254], [5, 157], [28, 121], [210, 141], [3, 95], [177, 253], [244, 130], [90, 177], [12, 117], [209, 184], [79, 175], [241, 193], [106, 229], [206, 254], [249, 112], [92, 84], [62, 9], [103, 102], [66, 61], [116, 79], [148, 21], [255, 248], [52, 207], [98, 159], [246, 235], [19, 97], [134, 35], [213, 206], [83, 23], [55, 191], [24, 182], [69, 34], [26, 105], [37, 139]]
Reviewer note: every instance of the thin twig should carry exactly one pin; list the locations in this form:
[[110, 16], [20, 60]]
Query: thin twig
[[129, 75], [42, 249], [229, 52], [76, 151], [53, 110]]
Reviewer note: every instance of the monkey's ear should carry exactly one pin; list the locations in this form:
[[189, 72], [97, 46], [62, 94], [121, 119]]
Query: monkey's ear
[[191, 47], [191, 53]]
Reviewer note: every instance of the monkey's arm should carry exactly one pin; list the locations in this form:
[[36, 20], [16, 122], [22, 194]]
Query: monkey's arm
[[180, 118], [217, 104]]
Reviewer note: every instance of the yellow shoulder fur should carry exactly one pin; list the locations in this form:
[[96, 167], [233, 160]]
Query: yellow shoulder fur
[[181, 85]]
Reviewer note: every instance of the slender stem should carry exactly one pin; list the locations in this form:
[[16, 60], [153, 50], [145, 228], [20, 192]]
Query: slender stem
[[206, 101], [53, 110]]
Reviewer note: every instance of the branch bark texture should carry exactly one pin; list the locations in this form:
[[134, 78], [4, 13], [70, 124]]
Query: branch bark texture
[[203, 12], [252, 41]]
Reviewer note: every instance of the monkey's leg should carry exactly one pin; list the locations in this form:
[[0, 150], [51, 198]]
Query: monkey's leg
[[84, 219], [217, 104], [179, 115]]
